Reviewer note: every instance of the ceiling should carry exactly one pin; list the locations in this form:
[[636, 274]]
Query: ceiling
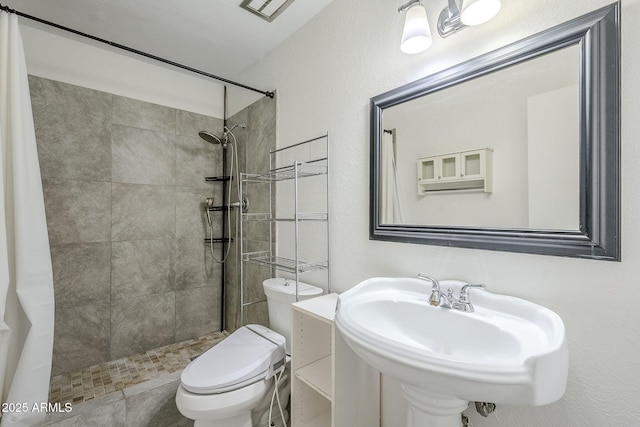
[[215, 36]]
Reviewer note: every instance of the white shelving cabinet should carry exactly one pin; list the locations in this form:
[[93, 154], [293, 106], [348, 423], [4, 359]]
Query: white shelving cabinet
[[330, 386], [469, 170], [312, 362]]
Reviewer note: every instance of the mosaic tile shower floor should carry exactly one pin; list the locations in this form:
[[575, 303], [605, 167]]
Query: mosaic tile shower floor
[[98, 380]]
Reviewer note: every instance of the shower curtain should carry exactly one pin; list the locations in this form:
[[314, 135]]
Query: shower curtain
[[391, 207], [26, 278]]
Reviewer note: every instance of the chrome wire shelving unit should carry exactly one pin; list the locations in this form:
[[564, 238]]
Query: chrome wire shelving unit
[[296, 165]]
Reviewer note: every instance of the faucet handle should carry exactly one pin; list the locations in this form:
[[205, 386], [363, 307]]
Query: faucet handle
[[463, 302], [464, 292], [435, 297]]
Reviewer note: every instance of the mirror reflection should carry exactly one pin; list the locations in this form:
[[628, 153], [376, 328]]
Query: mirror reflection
[[500, 150]]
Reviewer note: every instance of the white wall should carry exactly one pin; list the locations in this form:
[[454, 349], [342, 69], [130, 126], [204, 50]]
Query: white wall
[[56, 55], [325, 75]]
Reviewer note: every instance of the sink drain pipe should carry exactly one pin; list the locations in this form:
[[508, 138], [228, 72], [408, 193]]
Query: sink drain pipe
[[483, 408]]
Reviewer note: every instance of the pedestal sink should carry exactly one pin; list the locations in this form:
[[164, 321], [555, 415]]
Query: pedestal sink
[[508, 351]]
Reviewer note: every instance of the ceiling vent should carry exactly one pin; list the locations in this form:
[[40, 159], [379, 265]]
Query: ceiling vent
[[266, 9]]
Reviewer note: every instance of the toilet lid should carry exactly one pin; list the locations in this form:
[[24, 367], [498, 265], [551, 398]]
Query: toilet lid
[[244, 357], [288, 286]]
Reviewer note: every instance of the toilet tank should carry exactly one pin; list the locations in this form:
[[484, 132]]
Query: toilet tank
[[281, 293]]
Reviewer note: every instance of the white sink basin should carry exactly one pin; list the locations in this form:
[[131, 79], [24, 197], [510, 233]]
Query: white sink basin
[[509, 351]]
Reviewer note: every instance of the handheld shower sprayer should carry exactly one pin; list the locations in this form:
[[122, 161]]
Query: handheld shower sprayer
[[227, 140], [207, 204]]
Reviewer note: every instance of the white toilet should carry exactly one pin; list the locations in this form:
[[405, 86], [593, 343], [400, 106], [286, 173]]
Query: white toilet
[[281, 293], [231, 385]]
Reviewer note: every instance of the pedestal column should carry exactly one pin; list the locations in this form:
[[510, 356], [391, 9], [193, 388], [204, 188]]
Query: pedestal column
[[427, 409]]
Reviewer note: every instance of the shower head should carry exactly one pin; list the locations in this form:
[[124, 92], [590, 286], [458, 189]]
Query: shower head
[[224, 139], [209, 137]]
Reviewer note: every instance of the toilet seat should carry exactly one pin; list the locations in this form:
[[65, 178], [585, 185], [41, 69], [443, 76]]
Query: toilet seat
[[250, 354], [221, 405]]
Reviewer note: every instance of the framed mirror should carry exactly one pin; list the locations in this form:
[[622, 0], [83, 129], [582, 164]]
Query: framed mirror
[[516, 150]]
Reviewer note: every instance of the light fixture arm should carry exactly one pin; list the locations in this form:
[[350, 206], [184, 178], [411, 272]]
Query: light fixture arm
[[407, 5], [449, 20]]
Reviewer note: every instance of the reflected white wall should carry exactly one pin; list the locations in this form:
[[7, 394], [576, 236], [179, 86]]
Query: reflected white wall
[[553, 181]]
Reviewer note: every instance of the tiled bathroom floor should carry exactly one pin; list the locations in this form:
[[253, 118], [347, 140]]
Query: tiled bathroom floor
[[98, 380]]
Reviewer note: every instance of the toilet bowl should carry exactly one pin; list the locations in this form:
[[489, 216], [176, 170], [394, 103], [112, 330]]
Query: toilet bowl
[[231, 384]]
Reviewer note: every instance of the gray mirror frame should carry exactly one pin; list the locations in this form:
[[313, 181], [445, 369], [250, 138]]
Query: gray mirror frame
[[598, 36]]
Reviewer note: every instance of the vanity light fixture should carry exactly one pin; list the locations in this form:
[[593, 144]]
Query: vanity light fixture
[[468, 13], [416, 34], [459, 14]]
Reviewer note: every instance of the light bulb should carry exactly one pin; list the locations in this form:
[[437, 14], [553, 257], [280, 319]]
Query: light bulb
[[416, 35], [476, 12]]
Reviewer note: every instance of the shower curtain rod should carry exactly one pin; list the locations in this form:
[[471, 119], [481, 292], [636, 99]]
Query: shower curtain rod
[[269, 94]]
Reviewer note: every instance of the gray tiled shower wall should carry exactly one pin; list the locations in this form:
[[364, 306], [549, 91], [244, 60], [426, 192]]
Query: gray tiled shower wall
[[254, 144], [124, 190]]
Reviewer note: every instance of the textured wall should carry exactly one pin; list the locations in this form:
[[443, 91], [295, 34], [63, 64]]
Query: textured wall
[[325, 75], [254, 144], [124, 191]]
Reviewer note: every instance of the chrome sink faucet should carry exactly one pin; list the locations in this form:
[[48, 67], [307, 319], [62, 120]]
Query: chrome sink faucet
[[438, 299], [463, 303]]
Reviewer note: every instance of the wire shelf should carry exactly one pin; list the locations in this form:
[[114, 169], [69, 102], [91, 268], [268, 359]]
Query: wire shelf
[[284, 264], [306, 216], [302, 217], [257, 216], [301, 170]]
